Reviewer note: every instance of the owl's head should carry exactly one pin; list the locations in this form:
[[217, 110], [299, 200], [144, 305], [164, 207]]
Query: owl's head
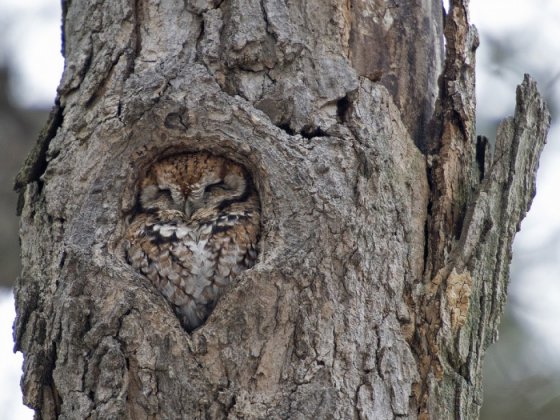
[[192, 183]]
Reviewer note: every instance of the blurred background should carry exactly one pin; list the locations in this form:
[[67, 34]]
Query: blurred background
[[522, 370]]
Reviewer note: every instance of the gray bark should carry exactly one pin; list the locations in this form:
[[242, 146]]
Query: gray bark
[[386, 226]]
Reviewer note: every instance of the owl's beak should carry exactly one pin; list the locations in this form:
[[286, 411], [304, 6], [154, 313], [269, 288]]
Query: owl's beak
[[189, 208]]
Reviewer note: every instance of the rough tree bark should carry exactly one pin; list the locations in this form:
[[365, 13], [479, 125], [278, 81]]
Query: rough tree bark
[[386, 229]]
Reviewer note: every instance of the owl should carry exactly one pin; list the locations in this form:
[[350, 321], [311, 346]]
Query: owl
[[196, 226]]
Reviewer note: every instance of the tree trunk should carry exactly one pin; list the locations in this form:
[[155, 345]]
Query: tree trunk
[[386, 225]]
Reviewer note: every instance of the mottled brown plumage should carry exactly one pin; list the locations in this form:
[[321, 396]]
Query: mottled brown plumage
[[197, 226]]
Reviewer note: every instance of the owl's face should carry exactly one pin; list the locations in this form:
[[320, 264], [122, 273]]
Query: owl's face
[[190, 183]]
